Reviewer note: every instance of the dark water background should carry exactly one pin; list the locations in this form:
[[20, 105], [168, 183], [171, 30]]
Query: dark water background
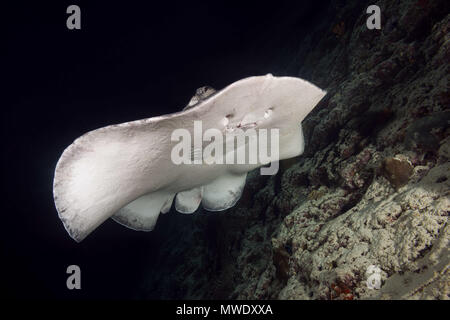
[[127, 62]]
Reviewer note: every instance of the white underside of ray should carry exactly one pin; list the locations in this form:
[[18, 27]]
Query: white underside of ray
[[223, 192], [142, 213], [188, 201], [168, 204], [126, 170]]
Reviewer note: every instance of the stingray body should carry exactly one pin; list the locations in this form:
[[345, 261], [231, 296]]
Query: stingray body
[[126, 172]]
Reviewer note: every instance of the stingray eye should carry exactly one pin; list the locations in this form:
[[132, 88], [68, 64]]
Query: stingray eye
[[268, 113]]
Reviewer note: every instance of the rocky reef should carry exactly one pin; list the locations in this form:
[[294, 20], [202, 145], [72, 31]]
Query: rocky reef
[[371, 189]]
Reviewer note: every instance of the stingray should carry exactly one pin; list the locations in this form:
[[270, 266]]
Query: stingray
[[126, 172]]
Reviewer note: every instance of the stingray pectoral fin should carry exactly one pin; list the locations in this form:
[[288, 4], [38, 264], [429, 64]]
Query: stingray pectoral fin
[[223, 192], [188, 201], [142, 213], [105, 170]]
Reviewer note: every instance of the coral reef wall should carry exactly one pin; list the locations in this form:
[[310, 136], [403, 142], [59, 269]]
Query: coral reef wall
[[372, 189]]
